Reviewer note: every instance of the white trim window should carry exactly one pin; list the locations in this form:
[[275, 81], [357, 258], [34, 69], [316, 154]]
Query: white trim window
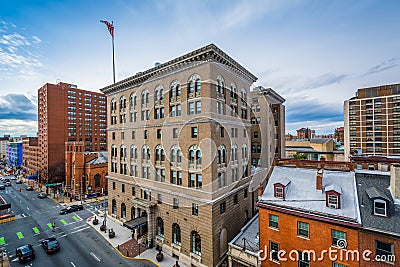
[[380, 207]]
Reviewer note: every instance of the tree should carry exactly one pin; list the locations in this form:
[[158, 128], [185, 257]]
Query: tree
[[300, 156]]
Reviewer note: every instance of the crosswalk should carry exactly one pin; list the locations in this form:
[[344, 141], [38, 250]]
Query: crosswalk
[[36, 230]]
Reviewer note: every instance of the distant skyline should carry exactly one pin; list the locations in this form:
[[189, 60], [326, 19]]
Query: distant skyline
[[315, 54]]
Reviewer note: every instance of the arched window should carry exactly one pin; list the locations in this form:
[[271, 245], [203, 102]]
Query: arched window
[[145, 152], [176, 154], [123, 151], [191, 87], [134, 152], [133, 101], [155, 95], [176, 234], [195, 243], [223, 242], [97, 179], [195, 155], [198, 157], [161, 96], [113, 104], [174, 91], [145, 99], [122, 102], [123, 211], [114, 207], [233, 91], [220, 86], [221, 158], [194, 85], [114, 152], [160, 156], [197, 86], [244, 97], [160, 227], [234, 152]]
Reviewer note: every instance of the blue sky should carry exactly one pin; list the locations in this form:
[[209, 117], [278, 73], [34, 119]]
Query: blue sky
[[313, 53]]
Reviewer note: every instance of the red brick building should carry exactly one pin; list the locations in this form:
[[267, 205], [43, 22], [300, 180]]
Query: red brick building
[[85, 172], [68, 114], [30, 155], [309, 209]]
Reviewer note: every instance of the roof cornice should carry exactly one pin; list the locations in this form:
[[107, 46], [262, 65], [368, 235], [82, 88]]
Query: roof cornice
[[207, 53]]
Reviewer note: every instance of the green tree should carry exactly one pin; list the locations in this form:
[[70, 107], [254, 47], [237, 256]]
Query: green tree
[[300, 156]]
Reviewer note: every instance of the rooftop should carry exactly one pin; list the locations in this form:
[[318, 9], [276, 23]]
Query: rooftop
[[302, 194], [101, 158], [248, 238]]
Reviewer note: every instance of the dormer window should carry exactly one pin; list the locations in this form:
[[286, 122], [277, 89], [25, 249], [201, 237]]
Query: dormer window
[[279, 192], [380, 207], [333, 193]]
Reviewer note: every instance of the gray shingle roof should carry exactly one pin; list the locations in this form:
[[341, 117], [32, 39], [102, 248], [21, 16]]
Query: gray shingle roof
[[377, 185], [102, 157]]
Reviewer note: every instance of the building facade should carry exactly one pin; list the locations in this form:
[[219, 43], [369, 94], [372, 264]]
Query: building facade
[[3, 146], [30, 155], [14, 154], [305, 133], [179, 143], [309, 209], [372, 121], [268, 126], [68, 114], [85, 172], [314, 149]]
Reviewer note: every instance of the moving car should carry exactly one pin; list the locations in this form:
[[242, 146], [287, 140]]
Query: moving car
[[25, 253], [18, 182], [2, 187], [77, 207], [7, 183], [68, 209], [42, 195], [51, 245], [29, 188]]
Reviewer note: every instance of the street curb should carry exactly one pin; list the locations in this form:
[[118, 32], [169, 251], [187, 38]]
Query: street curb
[[130, 258]]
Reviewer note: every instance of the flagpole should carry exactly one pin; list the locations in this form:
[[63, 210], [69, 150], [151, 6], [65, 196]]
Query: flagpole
[[112, 23]]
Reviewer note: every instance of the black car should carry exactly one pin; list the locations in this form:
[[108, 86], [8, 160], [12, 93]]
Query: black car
[[25, 253], [68, 209], [51, 245], [2, 187], [77, 207], [42, 195], [18, 182], [7, 183], [29, 188]]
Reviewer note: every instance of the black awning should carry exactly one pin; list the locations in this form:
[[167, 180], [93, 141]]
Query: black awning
[[135, 223]]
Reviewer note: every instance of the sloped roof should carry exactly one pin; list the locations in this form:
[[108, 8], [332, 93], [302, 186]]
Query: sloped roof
[[102, 157]]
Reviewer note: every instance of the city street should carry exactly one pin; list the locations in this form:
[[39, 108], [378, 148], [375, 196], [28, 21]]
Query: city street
[[80, 244]]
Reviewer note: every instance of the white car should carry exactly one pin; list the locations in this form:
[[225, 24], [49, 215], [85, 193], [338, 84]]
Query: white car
[[13, 178]]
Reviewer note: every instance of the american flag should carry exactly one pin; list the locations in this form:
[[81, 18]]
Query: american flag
[[109, 26]]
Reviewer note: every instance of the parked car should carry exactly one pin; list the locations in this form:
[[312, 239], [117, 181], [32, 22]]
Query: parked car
[[42, 195], [68, 209], [25, 253], [29, 188], [18, 182], [51, 245], [13, 178], [2, 187], [7, 183]]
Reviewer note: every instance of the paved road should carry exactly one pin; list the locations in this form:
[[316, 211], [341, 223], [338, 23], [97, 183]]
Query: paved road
[[81, 245]]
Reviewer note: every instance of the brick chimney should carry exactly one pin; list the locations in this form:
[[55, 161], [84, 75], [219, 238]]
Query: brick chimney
[[320, 173], [395, 180]]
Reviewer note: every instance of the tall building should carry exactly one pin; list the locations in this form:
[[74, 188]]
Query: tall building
[[30, 155], [179, 141], [66, 113], [372, 121], [14, 154], [268, 126], [305, 133], [339, 135]]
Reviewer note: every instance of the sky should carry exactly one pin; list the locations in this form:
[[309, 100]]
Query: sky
[[315, 54]]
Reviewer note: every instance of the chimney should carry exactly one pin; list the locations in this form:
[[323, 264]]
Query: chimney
[[395, 180], [320, 173]]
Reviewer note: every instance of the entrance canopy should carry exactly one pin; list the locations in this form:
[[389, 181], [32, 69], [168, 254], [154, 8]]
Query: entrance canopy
[[33, 177], [136, 223]]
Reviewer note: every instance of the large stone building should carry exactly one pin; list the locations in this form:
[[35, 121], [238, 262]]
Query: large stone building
[[372, 121], [179, 137], [268, 126], [68, 114], [3, 146]]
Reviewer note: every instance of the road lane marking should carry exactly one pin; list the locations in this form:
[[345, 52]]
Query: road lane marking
[[94, 256], [2, 241], [36, 230], [80, 230], [27, 208], [73, 264], [75, 218], [63, 222], [50, 225], [20, 235]]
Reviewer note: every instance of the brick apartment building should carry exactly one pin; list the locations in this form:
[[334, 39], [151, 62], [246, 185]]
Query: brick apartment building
[[85, 172], [268, 127], [3, 146], [312, 207], [372, 121], [305, 133], [30, 154], [68, 114], [179, 148]]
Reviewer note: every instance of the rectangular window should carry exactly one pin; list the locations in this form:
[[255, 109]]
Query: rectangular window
[[222, 207], [175, 133], [235, 199], [221, 131], [304, 259], [385, 250], [337, 236], [302, 229], [379, 207], [255, 134], [179, 178], [159, 199], [133, 135], [178, 110], [191, 179], [173, 177], [274, 247], [145, 134], [273, 221], [176, 203], [133, 191], [123, 188], [198, 107], [158, 133], [199, 180], [279, 192], [113, 185], [245, 193], [191, 108], [335, 264], [194, 132], [195, 209]]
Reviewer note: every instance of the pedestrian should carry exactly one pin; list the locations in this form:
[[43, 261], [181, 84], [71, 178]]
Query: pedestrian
[[53, 226], [177, 264]]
